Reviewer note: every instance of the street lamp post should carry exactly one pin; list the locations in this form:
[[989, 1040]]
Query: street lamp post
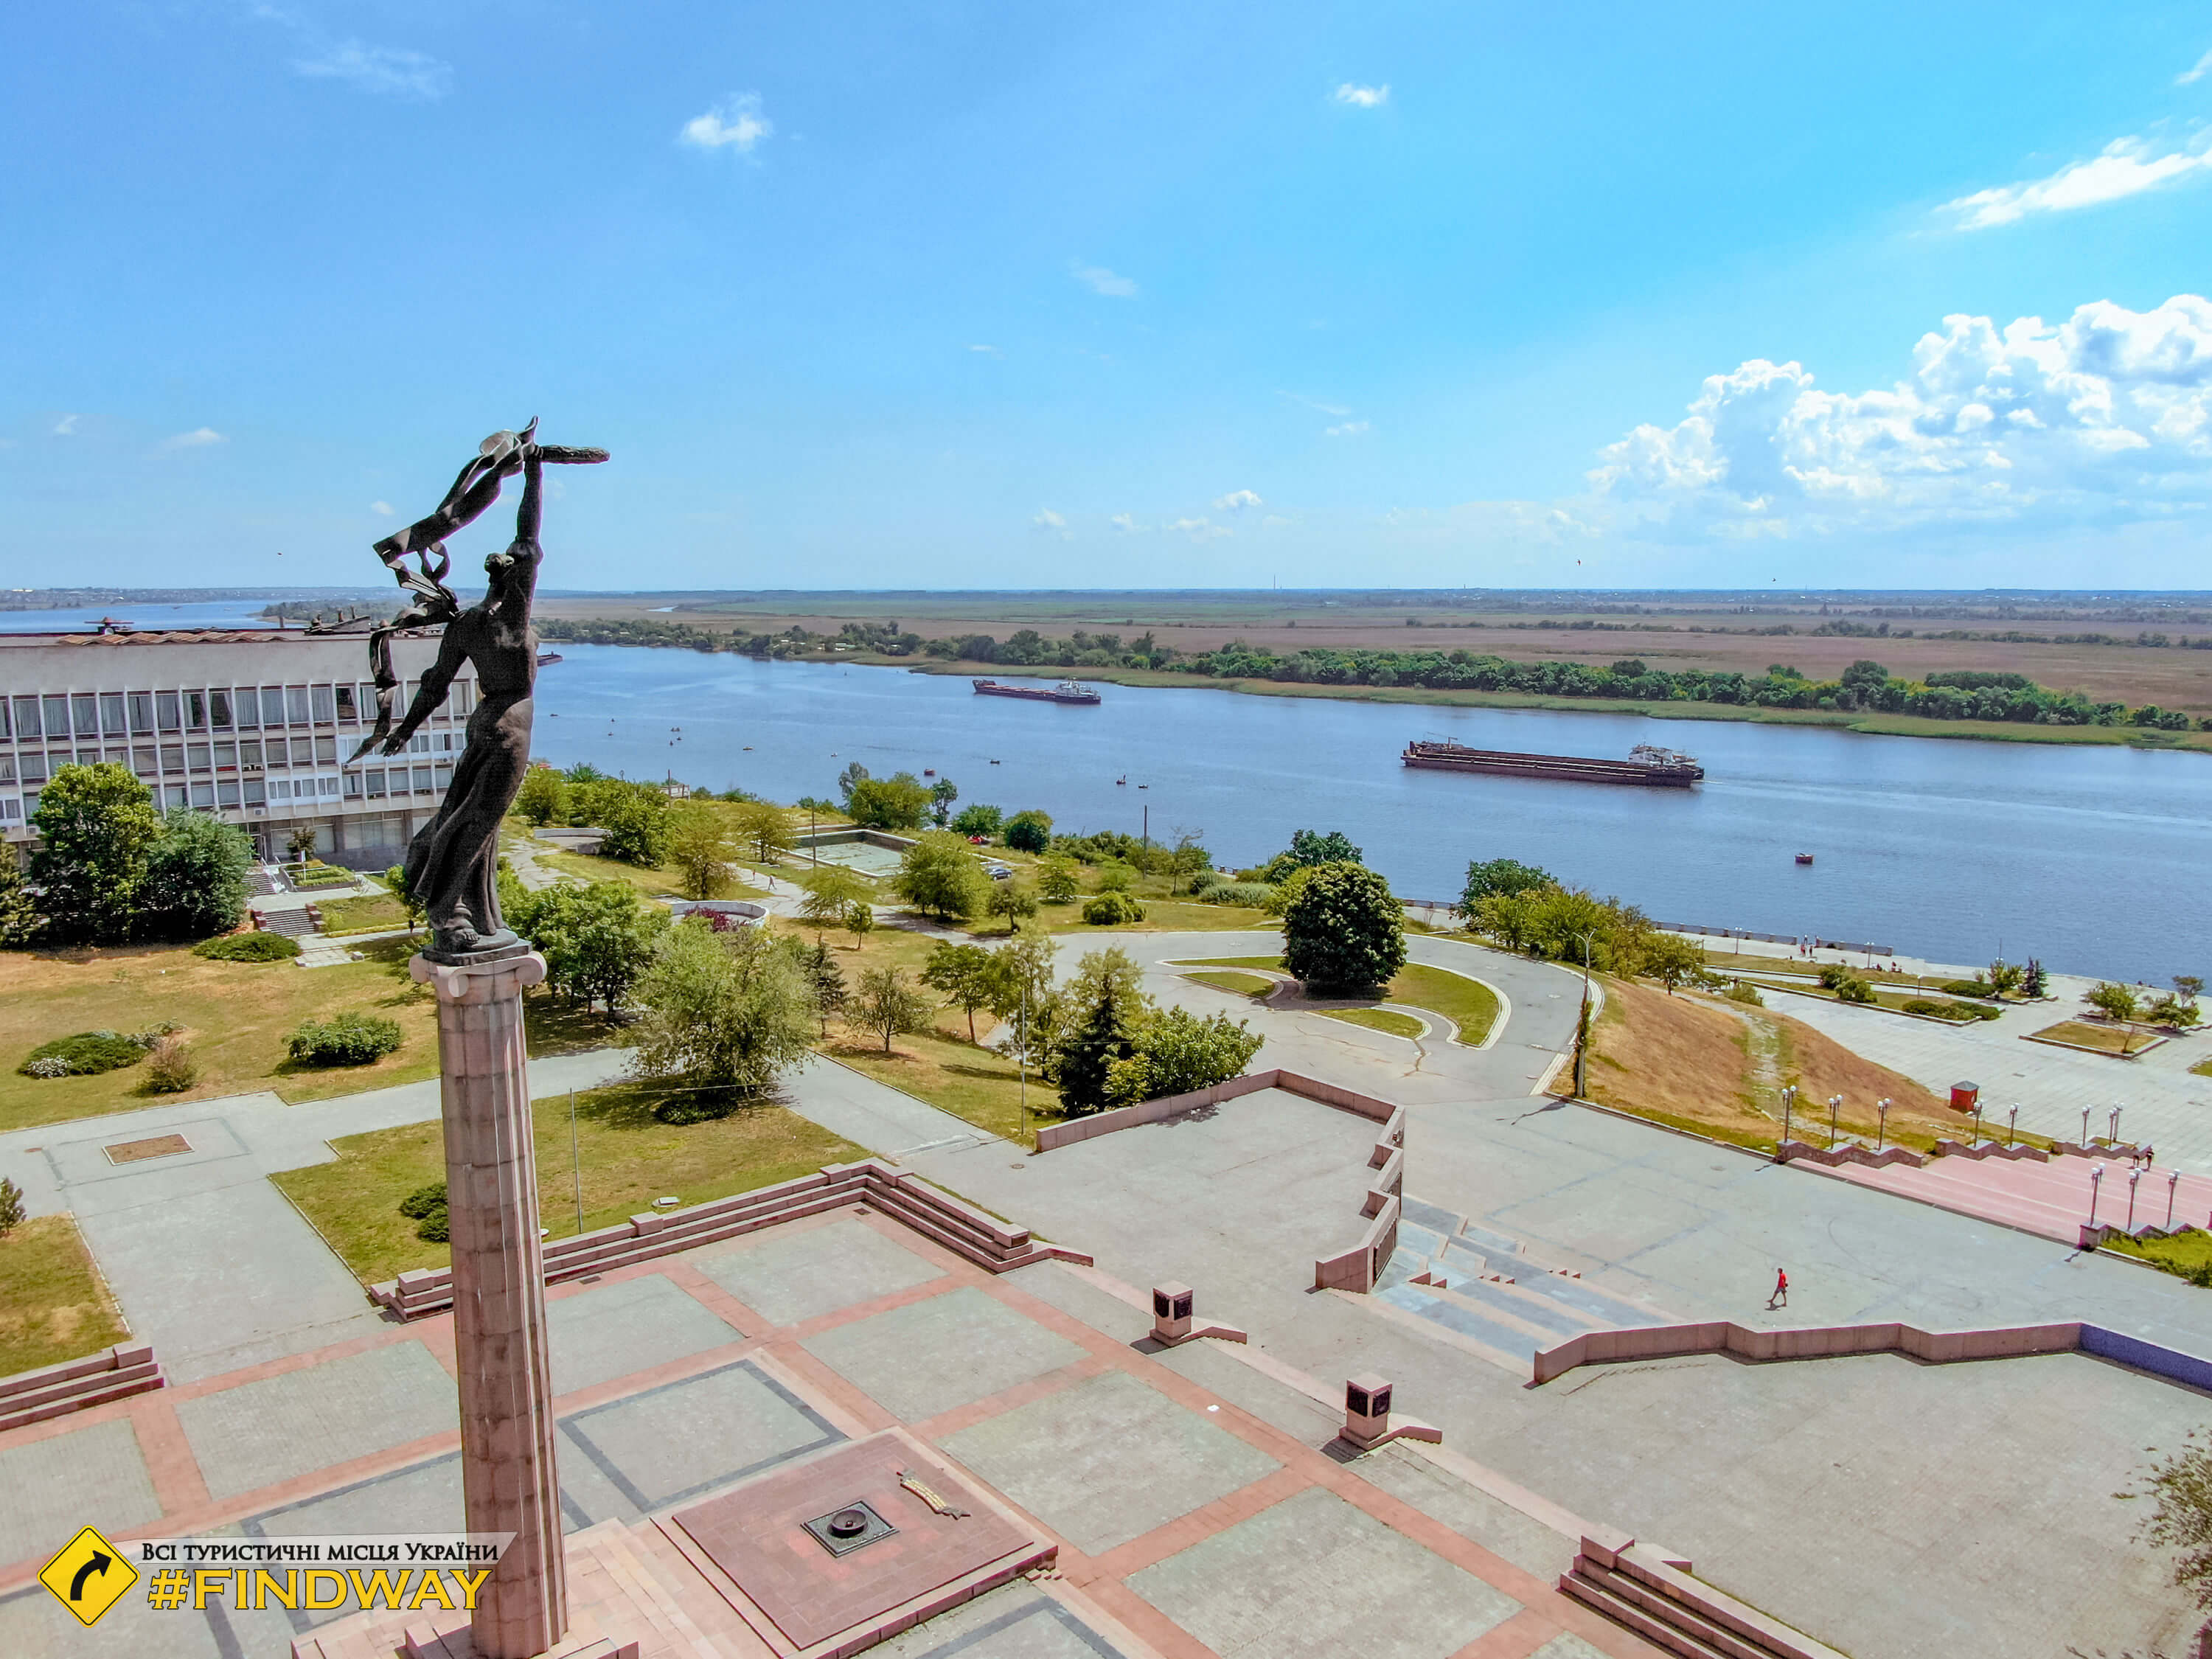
[[1882, 1130], [1835, 1107], [2096, 1184], [2134, 1176], [1978, 1122], [2012, 1124], [1581, 1026], [2172, 1182], [2115, 1136], [2085, 1129], [1788, 1100]]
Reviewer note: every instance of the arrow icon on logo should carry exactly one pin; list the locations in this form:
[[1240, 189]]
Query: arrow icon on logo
[[98, 1563]]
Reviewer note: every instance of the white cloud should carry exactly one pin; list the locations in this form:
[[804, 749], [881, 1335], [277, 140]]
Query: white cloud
[[1236, 502], [1348, 429], [1361, 97], [2105, 417], [1099, 280], [1049, 523], [987, 350], [382, 509], [736, 124], [1127, 524], [2203, 66], [66, 427], [199, 438], [1201, 530], [2127, 168], [393, 71]]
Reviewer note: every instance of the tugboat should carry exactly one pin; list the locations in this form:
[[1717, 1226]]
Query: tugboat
[[1066, 691]]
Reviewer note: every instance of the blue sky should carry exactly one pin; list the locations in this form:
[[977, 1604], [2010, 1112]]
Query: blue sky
[[1049, 295]]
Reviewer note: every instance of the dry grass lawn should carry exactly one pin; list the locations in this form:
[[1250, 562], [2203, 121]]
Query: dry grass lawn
[[53, 1304], [628, 1159], [2104, 1038]]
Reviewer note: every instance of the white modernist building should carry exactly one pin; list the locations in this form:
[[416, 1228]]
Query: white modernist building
[[252, 725]]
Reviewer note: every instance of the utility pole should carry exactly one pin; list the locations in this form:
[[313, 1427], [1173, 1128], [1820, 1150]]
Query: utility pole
[[1581, 1028]]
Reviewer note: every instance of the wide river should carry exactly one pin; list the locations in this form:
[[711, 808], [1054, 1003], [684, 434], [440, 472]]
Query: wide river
[[2093, 859]]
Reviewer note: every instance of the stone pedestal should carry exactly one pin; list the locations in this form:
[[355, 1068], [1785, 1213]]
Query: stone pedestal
[[507, 1476]]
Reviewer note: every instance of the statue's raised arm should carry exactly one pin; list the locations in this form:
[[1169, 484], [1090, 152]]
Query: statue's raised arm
[[452, 860]]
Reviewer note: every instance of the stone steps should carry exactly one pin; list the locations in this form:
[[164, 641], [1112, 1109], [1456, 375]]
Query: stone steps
[[1661, 1601]]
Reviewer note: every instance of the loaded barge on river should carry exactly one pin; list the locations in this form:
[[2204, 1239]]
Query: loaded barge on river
[[1647, 764], [1066, 691]]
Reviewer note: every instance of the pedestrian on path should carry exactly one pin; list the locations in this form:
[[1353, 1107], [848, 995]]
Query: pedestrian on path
[[1781, 1297]]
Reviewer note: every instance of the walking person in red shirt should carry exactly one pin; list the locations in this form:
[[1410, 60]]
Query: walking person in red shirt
[[1781, 1297]]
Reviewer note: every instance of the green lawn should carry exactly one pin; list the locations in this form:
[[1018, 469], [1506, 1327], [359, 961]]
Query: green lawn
[[1379, 1020], [52, 1304], [1250, 985], [2190, 1253], [1468, 1004], [954, 1075], [2202, 1068], [363, 915], [2104, 1038], [628, 1159]]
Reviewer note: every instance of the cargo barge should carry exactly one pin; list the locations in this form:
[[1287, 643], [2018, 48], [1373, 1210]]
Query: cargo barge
[[1647, 764], [1066, 691]]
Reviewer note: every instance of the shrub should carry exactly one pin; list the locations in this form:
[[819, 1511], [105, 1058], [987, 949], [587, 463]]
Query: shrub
[[1851, 989], [347, 1039], [248, 947], [86, 1054], [1343, 928], [1111, 910], [12, 1208], [1029, 831], [319, 875], [1936, 1010], [170, 1067], [1253, 894], [426, 1206], [1965, 988], [1745, 992]]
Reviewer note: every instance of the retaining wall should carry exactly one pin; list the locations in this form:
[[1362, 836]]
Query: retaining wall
[[1830, 1341], [128, 1368], [961, 1228]]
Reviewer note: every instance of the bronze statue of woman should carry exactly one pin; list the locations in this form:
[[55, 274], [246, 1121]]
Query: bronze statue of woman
[[452, 860]]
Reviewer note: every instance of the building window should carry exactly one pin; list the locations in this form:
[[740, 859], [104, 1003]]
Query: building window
[[87, 709], [175, 794], [6, 731], [295, 705], [272, 705], [255, 794], [111, 712], [249, 753], [226, 793], [195, 711], [27, 717], [219, 710], [30, 804], [348, 712], [11, 810], [445, 774], [143, 761], [373, 779], [226, 757], [57, 724], [353, 786], [196, 759], [142, 712], [246, 707], [7, 768], [172, 757], [34, 767], [325, 712], [327, 751], [421, 779], [202, 795], [168, 711], [419, 743]]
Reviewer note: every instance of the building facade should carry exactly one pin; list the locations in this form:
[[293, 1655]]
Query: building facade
[[253, 725]]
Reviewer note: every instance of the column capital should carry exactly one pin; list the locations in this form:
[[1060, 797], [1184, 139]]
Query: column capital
[[472, 982]]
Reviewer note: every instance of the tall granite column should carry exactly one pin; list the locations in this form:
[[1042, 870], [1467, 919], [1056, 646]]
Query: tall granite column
[[508, 1475]]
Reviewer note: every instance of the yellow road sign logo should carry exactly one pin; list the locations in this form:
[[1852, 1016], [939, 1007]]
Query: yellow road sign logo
[[89, 1576]]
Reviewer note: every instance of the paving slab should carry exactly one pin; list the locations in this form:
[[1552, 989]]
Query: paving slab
[[1316, 1577], [90, 1477], [613, 1330], [1016, 1622], [930, 1356], [1108, 1460], [789, 1277], [262, 1432]]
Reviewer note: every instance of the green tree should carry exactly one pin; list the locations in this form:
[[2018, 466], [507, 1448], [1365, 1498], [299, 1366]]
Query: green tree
[[2006, 977], [543, 797], [765, 828], [887, 1004], [1082, 1062], [859, 921], [831, 893], [1508, 918], [892, 802], [13, 1210], [1057, 881], [1309, 849], [1110, 972], [1022, 994], [598, 940], [938, 876], [635, 819], [1492, 877], [395, 881], [2117, 1001], [942, 794], [979, 820], [1670, 959], [966, 973], [851, 778], [1187, 857], [723, 1011], [95, 826], [19, 916], [703, 846], [195, 883], [1011, 900], [1178, 1052], [1345, 928], [1029, 831], [830, 992]]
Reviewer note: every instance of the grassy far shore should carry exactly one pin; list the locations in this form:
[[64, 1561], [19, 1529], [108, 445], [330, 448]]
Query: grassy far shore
[[1870, 722]]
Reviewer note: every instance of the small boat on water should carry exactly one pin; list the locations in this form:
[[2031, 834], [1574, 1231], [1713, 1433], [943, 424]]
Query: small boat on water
[[1647, 764], [545, 659], [1804, 857], [1069, 691]]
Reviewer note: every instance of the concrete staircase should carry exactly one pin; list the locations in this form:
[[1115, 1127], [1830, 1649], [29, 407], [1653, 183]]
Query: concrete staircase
[[1657, 1596], [1486, 1288], [2051, 1199]]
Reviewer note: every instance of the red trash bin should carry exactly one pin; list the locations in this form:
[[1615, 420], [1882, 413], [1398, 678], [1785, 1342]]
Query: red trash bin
[[1963, 1096]]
